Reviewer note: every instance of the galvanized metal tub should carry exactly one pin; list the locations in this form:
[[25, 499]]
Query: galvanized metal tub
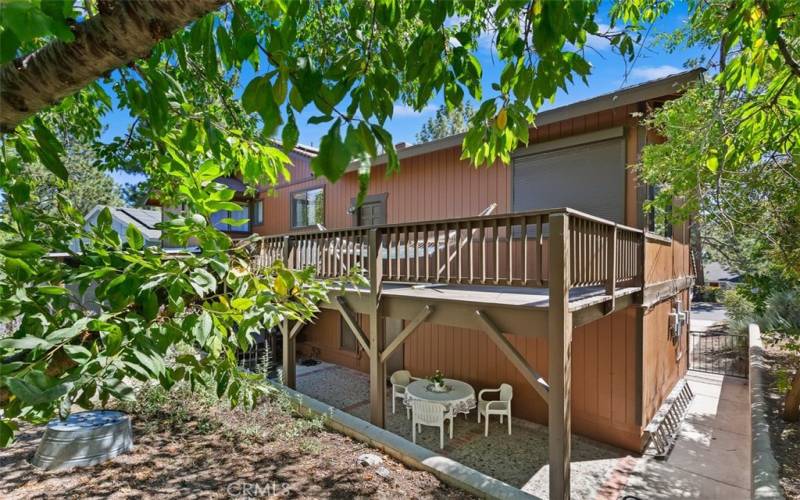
[[84, 438]]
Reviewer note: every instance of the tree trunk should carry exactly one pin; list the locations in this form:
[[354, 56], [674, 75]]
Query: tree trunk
[[697, 254], [123, 31], [791, 405]]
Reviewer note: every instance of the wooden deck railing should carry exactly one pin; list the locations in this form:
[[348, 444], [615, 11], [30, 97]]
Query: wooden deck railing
[[509, 249]]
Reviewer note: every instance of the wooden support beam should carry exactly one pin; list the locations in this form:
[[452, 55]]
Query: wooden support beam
[[350, 319], [654, 293], [296, 328], [559, 341], [528, 373], [377, 333], [289, 357], [408, 330]]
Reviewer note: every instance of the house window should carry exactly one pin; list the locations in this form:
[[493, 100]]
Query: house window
[[258, 213], [226, 220], [308, 208]]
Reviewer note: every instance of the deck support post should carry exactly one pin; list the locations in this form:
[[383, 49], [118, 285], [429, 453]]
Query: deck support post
[[559, 343], [289, 356], [377, 334]]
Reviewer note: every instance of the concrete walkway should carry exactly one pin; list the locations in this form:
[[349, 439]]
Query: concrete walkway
[[711, 458]]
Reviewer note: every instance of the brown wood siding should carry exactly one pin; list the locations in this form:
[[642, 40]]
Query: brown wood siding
[[660, 369], [440, 184], [603, 372], [606, 393], [665, 260], [321, 340]]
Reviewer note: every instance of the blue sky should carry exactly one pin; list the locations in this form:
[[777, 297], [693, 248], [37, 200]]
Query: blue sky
[[609, 73]]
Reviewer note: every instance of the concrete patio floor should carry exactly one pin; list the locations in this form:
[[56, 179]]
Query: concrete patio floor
[[709, 460], [519, 459]]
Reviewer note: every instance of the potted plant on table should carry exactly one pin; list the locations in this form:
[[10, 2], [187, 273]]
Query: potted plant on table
[[437, 382]]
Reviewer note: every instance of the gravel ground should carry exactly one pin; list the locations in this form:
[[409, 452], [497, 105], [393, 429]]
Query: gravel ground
[[785, 435], [230, 454]]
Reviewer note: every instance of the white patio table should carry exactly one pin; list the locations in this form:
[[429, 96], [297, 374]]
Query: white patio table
[[460, 398]]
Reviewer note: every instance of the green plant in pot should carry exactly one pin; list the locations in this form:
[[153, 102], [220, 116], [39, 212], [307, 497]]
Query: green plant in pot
[[437, 380]]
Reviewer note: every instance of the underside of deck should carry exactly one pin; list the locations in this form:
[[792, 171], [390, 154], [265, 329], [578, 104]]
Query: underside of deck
[[515, 310]]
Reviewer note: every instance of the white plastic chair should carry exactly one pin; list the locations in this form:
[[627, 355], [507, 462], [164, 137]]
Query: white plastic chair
[[400, 380], [501, 406], [431, 414]]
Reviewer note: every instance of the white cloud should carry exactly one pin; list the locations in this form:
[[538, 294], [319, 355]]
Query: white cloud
[[401, 110], [654, 72]]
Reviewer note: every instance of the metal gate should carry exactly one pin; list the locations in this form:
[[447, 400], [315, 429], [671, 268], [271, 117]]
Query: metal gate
[[718, 352]]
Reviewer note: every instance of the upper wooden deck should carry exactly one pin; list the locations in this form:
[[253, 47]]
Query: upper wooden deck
[[499, 261]]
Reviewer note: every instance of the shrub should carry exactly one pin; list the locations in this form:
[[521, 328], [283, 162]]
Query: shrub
[[781, 322], [707, 294], [737, 305]]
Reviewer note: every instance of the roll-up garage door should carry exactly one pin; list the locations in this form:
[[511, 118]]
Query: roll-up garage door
[[589, 177]]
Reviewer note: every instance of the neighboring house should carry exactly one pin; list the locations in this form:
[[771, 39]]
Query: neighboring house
[[718, 275], [145, 221], [626, 355]]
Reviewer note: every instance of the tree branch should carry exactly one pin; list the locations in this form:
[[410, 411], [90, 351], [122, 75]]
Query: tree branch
[[119, 34]]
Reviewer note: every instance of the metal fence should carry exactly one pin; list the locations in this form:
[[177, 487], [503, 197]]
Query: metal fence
[[718, 352]]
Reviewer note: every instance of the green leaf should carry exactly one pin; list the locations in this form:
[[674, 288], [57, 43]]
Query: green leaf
[[242, 303], [222, 384], [251, 94], [26, 20], [150, 305], [333, 157], [32, 395], [22, 249], [120, 390], [113, 342], [6, 433], [290, 134], [202, 328], [69, 332], [52, 290], [25, 343], [77, 353], [150, 361], [50, 149], [9, 43], [134, 236]]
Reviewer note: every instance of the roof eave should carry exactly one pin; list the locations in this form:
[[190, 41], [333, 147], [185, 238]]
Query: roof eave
[[636, 93]]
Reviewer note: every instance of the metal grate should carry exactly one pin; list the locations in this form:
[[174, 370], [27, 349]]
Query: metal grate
[[663, 429], [718, 352]]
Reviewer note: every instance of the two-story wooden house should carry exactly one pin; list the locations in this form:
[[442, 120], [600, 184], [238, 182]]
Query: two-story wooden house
[[543, 273]]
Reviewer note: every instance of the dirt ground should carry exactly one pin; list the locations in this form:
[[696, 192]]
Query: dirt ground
[[221, 454], [785, 435]]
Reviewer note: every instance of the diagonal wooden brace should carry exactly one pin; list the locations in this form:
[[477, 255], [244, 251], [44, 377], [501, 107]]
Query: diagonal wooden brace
[[296, 329], [528, 373], [350, 318], [408, 330]]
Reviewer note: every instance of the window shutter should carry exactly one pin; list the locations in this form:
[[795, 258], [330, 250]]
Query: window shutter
[[589, 177]]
